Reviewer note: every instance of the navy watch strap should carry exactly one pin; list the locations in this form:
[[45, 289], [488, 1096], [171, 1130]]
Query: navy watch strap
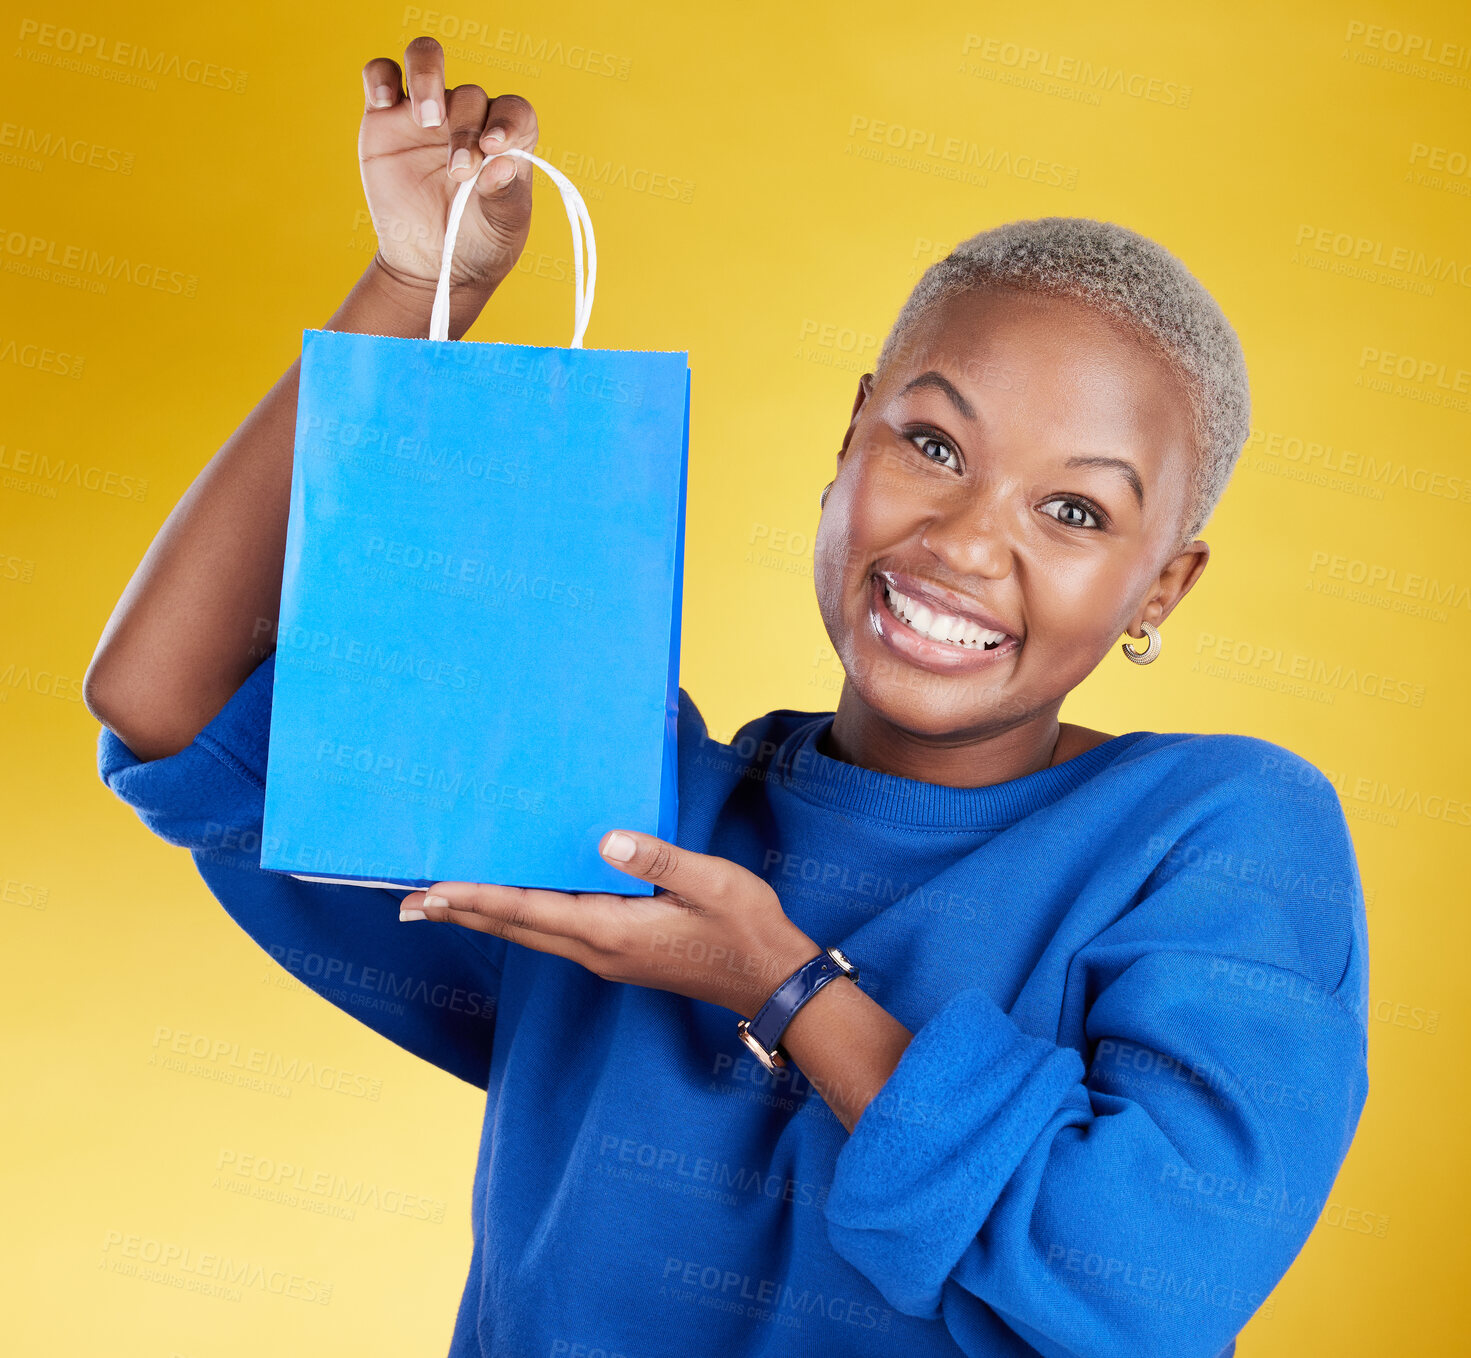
[[765, 1029]]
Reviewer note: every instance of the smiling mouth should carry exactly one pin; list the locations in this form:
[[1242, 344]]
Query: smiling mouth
[[948, 628]]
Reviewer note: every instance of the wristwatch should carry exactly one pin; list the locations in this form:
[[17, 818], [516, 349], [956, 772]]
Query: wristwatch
[[762, 1033]]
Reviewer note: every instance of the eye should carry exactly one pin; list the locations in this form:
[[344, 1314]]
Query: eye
[[926, 441], [1082, 508]]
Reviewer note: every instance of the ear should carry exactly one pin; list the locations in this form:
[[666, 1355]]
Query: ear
[[1175, 581], [865, 390]]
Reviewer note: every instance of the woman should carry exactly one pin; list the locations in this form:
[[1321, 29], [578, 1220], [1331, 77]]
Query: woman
[[1104, 1052]]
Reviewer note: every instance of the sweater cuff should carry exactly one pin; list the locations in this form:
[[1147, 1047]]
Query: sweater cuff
[[208, 795], [929, 1156]]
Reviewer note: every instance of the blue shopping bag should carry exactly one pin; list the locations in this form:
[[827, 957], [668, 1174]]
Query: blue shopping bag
[[477, 660]]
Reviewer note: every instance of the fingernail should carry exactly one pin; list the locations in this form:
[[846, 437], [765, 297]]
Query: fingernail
[[510, 175], [460, 160], [429, 115], [435, 903], [496, 135], [382, 96], [407, 915], [619, 848]]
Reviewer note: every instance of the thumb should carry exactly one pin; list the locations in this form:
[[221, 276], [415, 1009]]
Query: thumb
[[503, 188], [696, 877]]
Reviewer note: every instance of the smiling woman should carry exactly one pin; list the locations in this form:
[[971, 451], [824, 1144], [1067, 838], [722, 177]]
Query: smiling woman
[[954, 1030], [1053, 417]]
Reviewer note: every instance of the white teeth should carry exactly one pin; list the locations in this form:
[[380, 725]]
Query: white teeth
[[941, 626]]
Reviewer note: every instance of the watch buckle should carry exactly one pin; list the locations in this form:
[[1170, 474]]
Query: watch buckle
[[771, 1060], [843, 961]]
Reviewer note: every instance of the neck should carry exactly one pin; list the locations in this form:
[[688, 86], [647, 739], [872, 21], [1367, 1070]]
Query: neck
[[861, 736]]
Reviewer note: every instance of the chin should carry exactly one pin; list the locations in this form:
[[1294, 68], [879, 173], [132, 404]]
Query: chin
[[920, 701], [924, 709]]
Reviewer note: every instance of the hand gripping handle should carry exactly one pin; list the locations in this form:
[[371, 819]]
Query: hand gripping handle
[[577, 218]]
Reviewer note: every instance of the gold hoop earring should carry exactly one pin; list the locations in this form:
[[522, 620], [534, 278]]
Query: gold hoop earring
[[1151, 652], [822, 499]]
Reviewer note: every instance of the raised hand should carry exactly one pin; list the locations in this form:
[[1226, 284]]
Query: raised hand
[[417, 144]]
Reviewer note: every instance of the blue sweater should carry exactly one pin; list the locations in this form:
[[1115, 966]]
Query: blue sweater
[[1137, 983]]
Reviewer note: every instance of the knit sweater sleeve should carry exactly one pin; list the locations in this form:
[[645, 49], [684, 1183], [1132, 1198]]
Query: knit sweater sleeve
[[1144, 1196], [431, 989]]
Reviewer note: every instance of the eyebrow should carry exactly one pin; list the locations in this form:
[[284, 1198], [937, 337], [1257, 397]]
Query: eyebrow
[[1127, 468], [941, 383]]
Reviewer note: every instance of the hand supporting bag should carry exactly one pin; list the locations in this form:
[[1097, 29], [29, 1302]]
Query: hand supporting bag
[[477, 659]]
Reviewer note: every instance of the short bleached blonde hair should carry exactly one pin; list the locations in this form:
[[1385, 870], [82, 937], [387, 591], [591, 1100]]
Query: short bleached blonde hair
[[1135, 281]]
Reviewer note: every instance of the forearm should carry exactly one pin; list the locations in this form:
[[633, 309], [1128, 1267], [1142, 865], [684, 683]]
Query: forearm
[[201, 609], [844, 1042]]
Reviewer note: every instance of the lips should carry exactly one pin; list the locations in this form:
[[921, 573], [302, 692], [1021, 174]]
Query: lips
[[950, 628], [941, 600], [927, 652]]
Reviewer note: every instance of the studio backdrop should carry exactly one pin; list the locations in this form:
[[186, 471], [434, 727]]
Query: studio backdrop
[[180, 200]]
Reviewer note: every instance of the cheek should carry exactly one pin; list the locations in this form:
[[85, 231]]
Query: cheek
[[881, 507], [1083, 594], [861, 523], [828, 552]]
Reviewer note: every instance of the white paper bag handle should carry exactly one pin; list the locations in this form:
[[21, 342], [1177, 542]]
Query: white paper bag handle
[[576, 216]]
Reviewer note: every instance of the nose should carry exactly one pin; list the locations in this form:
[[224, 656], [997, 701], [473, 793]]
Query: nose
[[969, 532]]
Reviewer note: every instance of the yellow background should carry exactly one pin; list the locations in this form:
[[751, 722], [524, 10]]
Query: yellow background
[[780, 275]]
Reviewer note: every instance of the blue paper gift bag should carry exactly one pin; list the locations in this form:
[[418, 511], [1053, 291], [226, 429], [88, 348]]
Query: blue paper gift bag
[[477, 659]]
